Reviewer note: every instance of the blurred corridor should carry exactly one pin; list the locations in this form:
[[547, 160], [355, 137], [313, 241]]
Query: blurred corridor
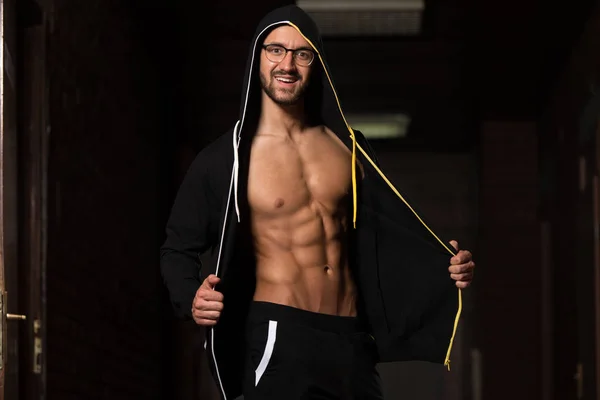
[[106, 102]]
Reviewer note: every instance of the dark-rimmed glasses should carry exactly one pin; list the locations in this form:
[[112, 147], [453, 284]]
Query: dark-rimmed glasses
[[276, 53]]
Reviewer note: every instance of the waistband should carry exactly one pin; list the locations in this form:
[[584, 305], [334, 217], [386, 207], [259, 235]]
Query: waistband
[[261, 311]]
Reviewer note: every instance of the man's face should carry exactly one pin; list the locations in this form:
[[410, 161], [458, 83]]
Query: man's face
[[285, 81]]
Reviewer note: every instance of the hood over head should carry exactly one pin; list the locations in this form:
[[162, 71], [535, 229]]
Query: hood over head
[[323, 105], [321, 101]]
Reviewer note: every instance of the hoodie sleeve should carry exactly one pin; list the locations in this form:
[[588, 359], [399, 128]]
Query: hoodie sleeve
[[191, 230]]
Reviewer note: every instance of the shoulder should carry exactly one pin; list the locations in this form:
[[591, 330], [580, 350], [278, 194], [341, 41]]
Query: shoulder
[[218, 150], [213, 164]]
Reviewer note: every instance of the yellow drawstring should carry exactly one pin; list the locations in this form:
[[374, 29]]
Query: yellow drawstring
[[354, 189], [457, 318], [354, 144]]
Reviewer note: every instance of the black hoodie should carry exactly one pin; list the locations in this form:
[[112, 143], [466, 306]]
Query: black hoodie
[[399, 264]]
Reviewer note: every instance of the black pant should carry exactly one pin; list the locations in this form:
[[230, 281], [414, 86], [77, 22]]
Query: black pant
[[294, 354]]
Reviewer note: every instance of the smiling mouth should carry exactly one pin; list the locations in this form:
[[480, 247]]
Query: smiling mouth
[[286, 81]]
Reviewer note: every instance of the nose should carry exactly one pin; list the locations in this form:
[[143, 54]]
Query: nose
[[288, 64]]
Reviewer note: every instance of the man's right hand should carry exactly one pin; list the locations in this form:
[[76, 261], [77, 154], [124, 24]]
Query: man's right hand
[[208, 303]]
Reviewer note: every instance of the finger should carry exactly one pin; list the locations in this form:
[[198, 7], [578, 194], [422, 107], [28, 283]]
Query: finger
[[462, 257], [205, 322], [205, 314], [462, 277], [210, 282], [213, 280], [205, 285], [462, 285], [210, 295], [212, 315], [454, 244], [206, 301], [204, 305], [461, 268]]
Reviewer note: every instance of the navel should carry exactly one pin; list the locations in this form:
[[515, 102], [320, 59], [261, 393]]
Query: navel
[[327, 269], [279, 203]]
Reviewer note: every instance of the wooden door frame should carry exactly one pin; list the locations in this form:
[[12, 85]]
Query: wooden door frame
[[588, 286], [596, 244], [9, 205], [33, 151]]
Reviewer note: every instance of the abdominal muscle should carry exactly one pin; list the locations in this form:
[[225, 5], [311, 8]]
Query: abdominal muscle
[[301, 261]]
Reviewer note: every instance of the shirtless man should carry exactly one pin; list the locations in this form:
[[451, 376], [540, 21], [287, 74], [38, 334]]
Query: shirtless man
[[298, 190], [341, 272]]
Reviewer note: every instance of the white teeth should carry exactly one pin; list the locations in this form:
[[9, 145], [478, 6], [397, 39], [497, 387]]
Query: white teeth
[[285, 80]]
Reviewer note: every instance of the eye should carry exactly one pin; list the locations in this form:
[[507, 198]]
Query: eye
[[275, 50], [303, 55]]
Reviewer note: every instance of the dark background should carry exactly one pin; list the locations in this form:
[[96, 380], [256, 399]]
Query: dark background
[[501, 154]]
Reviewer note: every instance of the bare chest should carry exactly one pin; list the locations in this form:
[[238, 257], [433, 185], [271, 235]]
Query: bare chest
[[285, 176]]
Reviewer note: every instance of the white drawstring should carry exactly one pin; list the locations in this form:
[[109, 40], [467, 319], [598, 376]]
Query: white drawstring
[[240, 124], [236, 163]]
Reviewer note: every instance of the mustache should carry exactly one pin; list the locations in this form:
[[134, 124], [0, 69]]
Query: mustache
[[282, 73]]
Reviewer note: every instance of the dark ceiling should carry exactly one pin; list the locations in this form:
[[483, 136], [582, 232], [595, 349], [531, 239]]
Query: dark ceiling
[[476, 60]]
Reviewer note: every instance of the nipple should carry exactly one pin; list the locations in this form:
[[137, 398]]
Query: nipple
[[279, 203]]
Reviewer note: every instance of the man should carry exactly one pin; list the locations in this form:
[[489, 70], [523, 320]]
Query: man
[[323, 269]]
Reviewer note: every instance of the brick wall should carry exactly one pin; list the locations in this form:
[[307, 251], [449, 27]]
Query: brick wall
[[104, 319], [443, 187], [566, 209], [508, 290]]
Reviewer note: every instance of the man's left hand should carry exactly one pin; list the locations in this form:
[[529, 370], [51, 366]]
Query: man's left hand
[[461, 266]]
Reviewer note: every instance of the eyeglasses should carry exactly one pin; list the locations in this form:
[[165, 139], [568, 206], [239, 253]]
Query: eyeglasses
[[276, 53]]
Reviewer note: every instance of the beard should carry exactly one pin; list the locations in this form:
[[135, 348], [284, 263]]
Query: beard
[[282, 96]]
